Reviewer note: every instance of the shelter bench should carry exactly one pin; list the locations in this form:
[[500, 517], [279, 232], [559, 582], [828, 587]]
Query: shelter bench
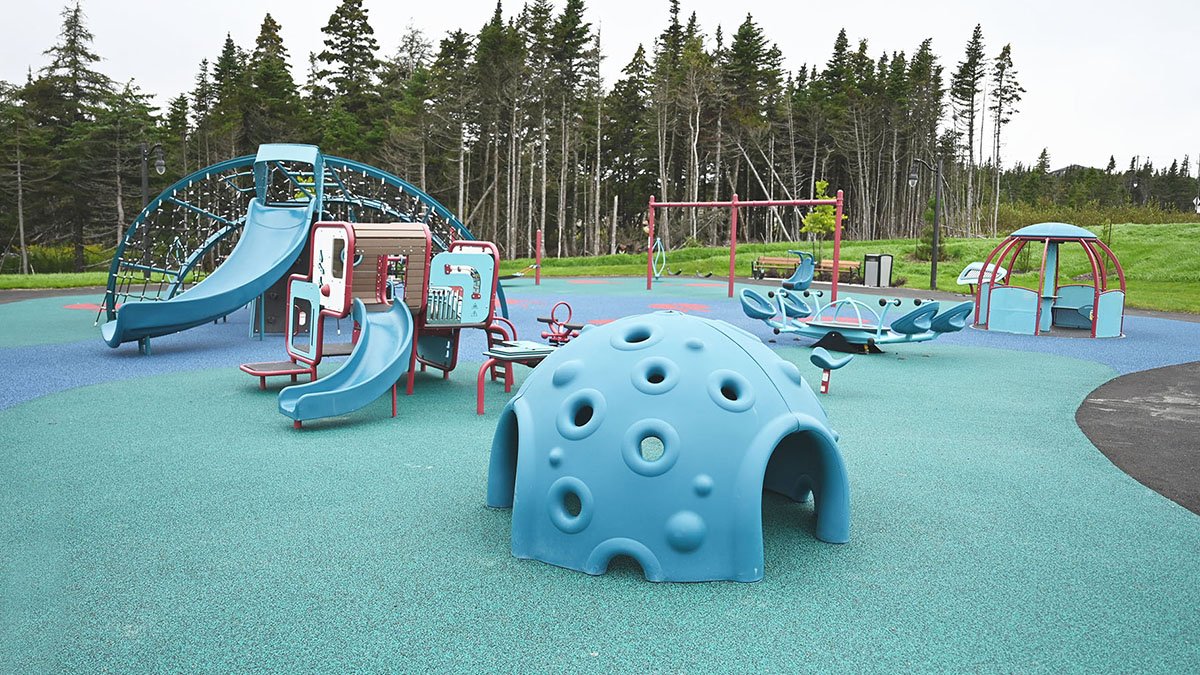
[[845, 267], [784, 266]]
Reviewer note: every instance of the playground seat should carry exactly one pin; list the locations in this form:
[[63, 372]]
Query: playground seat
[[916, 321], [953, 319], [822, 359], [794, 306], [802, 278], [756, 306]]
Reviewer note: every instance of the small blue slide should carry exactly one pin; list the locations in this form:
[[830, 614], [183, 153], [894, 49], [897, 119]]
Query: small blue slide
[[380, 357], [274, 236]]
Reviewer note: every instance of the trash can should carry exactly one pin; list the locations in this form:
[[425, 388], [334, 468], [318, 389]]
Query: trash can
[[877, 270]]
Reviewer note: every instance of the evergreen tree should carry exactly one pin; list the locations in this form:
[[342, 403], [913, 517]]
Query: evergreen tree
[[1006, 93], [229, 88], [349, 56], [73, 93], [202, 104], [273, 113], [965, 89], [177, 129]]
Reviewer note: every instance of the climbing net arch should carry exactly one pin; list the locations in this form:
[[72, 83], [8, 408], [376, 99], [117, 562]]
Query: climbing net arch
[[187, 231]]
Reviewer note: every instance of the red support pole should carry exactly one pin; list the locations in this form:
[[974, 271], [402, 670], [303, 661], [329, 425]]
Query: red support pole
[[837, 246], [650, 243], [537, 270], [733, 217]]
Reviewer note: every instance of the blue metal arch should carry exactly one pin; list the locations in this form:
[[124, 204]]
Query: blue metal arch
[[408, 187], [246, 163]]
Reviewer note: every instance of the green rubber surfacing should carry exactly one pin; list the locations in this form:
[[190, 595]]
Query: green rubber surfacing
[[990, 536]]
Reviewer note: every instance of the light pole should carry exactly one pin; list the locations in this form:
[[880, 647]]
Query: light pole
[[160, 167], [937, 208]]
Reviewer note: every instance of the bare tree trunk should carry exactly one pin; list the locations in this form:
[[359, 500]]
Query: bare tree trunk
[[495, 178], [612, 228], [596, 188], [717, 168], [562, 178], [462, 161], [120, 201], [529, 203], [21, 209], [542, 213]]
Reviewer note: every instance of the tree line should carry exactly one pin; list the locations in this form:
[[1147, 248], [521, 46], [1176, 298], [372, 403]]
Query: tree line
[[512, 127]]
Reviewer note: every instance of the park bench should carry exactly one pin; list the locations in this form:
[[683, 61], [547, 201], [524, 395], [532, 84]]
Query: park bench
[[847, 269], [782, 265]]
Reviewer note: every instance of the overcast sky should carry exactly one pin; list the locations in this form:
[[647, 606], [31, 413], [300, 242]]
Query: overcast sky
[[1102, 77]]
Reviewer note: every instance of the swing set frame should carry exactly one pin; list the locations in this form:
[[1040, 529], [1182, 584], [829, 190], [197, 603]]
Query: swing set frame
[[733, 205]]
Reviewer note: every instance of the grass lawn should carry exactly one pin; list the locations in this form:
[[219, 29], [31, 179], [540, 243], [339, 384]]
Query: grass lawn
[[64, 280], [1162, 264]]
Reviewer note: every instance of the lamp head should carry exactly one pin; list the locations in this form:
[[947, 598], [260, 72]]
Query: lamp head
[[160, 164]]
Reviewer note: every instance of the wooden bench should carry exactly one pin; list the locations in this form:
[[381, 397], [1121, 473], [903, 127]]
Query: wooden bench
[[783, 265], [847, 269]]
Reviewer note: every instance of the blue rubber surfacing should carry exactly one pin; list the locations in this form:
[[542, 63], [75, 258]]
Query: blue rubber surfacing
[[164, 517]]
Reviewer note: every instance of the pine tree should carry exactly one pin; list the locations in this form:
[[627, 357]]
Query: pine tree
[[273, 113], [202, 105], [178, 128], [627, 132], [349, 55], [76, 95], [567, 58], [1006, 93], [965, 88], [229, 78]]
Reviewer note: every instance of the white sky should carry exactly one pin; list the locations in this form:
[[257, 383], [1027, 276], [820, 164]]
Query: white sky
[[1102, 77]]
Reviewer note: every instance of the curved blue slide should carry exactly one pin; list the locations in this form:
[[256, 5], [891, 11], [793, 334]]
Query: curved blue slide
[[380, 357], [272, 239]]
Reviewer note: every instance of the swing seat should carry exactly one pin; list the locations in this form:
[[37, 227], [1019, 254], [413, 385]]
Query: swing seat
[[802, 278]]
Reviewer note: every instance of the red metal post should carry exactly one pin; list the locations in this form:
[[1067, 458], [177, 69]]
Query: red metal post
[[1097, 280], [837, 246], [733, 217], [650, 243], [537, 270], [1041, 289]]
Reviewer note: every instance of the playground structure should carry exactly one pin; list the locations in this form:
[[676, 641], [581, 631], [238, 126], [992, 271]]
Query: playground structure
[[733, 205], [1095, 307], [184, 238], [404, 300], [659, 253], [559, 329], [828, 363], [850, 325], [653, 437], [324, 292]]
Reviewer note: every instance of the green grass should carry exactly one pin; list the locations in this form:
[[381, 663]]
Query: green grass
[[60, 280], [1161, 262]]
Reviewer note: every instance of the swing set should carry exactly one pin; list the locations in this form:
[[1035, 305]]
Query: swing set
[[656, 252]]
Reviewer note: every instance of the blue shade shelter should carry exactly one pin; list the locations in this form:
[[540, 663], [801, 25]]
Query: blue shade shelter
[[1098, 307]]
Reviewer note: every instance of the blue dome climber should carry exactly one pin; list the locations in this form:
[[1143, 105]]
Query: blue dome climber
[[653, 437]]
